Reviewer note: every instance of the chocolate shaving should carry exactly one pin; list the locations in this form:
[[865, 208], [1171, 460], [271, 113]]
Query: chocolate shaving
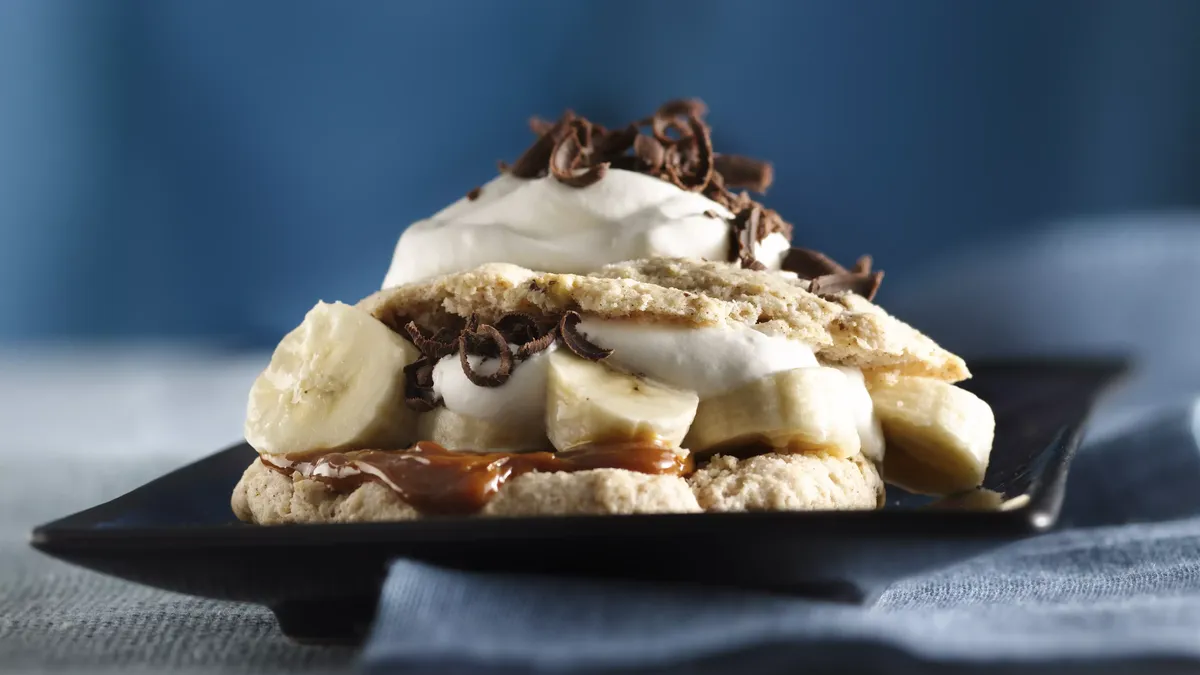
[[743, 231], [575, 341], [534, 163], [534, 346], [627, 163], [744, 172], [751, 263], [698, 170], [569, 154], [863, 264], [810, 264], [518, 327], [650, 153], [661, 126], [418, 385], [682, 107], [539, 125], [473, 343], [677, 147], [862, 283], [712, 214], [613, 145], [474, 193], [432, 347]]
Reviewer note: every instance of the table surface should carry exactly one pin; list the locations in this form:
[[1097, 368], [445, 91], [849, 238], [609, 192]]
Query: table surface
[[82, 426]]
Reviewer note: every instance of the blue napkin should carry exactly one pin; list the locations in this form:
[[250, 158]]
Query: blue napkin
[[1115, 589], [1093, 594]]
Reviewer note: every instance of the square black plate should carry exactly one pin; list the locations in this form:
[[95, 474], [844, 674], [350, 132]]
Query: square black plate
[[322, 581]]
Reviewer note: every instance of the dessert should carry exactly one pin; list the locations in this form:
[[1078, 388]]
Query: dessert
[[517, 363]]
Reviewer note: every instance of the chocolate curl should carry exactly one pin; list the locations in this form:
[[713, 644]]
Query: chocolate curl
[[650, 152], [525, 331], [493, 336], [537, 345], [683, 107], [533, 163], [432, 347], [613, 145], [418, 385], [810, 264], [540, 126], [575, 341], [696, 178], [661, 125], [751, 263], [863, 283], [518, 327], [568, 155], [744, 172], [744, 232]]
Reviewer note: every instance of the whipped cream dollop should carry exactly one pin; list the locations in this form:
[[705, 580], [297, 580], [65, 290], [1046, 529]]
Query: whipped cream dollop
[[870, 431], [707, 360], [545, 225], [520, 401]]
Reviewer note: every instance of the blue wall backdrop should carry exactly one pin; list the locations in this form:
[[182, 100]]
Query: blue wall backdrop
[[210, 169]]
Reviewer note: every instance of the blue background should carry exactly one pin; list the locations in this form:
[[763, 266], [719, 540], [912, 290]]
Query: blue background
[[209, 170]]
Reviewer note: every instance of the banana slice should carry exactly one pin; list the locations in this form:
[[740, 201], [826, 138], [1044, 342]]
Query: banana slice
[[588, 402], [939, 437], [455, 431], [334, 382], [800, 410]]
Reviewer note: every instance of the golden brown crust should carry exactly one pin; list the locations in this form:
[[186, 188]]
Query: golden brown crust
[[848, 330]]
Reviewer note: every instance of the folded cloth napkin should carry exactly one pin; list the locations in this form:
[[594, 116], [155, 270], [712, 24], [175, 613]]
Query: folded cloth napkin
[[1097, 596], [1100, 594]]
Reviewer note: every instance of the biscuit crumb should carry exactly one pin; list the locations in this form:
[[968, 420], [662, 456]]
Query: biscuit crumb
[[847, 330], [267, 497], [788, 482], [593, 492]]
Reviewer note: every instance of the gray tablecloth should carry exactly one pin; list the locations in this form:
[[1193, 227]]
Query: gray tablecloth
[[79, 428]]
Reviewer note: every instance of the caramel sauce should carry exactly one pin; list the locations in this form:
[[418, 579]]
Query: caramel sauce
[[435, 480]]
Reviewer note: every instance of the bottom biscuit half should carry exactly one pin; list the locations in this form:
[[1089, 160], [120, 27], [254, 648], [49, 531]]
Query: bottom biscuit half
[[771, 482]]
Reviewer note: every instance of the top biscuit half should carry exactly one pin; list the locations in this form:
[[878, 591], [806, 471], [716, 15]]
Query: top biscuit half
[[842, 329]]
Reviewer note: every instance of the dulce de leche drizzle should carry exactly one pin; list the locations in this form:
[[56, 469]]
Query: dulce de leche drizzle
[[435, 480]]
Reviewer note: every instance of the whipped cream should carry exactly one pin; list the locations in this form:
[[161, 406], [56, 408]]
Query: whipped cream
[[547, 226], [519, 401], [870, 431], [708, 360]]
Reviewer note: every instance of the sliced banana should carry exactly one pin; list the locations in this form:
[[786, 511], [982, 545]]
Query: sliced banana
[[870, 431], [588, 402], [939, 437], [800, 410], [455, 431], [334, 382]]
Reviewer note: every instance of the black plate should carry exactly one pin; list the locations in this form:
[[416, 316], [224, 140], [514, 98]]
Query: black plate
[[322, 581]]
